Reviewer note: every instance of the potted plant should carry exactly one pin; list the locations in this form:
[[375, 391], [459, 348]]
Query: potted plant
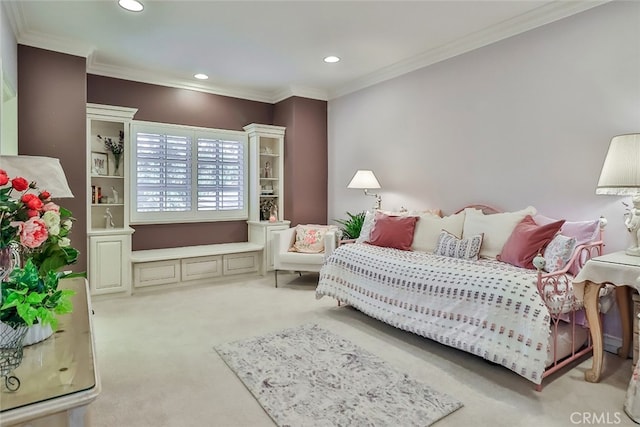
[[36, 230], [352, 226]]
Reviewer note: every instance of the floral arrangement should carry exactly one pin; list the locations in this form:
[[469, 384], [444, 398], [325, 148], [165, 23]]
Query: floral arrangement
[[38, 229], [116, 148]]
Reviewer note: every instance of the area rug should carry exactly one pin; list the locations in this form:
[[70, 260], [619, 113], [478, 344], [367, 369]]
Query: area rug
[[308, 376]]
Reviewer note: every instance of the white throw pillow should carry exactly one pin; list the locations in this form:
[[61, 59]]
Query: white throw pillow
[[367, 226], [496, 228], [429, 227]]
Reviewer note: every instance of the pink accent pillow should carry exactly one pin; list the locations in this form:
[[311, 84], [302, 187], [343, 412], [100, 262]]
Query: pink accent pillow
[[527, 240], [583, 231], [393, 231]]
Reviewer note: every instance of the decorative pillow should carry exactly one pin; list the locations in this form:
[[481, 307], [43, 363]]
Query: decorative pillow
[[426, 235], [526, 241], [367, 226], [558, 252], [369, 220], [583, 231], [496, 228], [310, 238], [393, 231], [449, 245]]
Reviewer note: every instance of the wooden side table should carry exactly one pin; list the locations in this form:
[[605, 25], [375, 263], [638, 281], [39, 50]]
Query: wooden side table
[[622, 271], [59, 376]]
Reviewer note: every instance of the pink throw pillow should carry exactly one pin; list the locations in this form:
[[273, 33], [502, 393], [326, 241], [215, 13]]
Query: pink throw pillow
[[527, 240], [393, 231]]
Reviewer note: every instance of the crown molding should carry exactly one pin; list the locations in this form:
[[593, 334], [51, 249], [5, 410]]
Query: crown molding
[[107, 70], [301, 91], [27, 36], [527, 21]]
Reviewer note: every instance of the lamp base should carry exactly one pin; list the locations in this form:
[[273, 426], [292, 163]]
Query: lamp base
[[633, 251]]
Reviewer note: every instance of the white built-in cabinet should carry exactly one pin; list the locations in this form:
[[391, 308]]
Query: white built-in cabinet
[[108, 231], [266, 186]]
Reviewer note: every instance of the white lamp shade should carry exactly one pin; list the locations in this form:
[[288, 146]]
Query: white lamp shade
[[364, 179], [47, 173], [621, 169]]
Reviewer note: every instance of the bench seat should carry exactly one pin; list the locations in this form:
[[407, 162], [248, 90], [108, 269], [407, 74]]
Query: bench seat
[[194, 264]]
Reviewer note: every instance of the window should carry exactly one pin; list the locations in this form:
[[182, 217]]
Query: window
[[187, 174]]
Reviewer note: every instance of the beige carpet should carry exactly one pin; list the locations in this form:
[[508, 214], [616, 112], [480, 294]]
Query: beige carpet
[[158, 367]]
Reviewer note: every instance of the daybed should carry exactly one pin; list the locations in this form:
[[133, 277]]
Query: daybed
[[469, 281]]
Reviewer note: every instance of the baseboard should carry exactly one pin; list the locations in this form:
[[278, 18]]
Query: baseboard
[[612, 344]]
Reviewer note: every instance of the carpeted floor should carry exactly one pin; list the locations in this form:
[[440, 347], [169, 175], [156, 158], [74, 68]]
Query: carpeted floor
[[158, 367], [310, 376]]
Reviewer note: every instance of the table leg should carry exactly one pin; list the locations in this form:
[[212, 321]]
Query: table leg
[[624, 306], [591, 300]]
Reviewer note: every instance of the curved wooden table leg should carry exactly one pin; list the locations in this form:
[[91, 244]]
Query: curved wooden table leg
[[591, 299], [624, 306]]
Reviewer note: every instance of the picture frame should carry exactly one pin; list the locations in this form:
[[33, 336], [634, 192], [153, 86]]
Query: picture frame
[[99, 163]]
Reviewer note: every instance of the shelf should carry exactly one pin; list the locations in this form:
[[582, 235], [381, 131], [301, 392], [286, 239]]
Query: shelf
[[107, 176], [110, 231], [96, 205], [268, 196], [269, 179], [269, 155]]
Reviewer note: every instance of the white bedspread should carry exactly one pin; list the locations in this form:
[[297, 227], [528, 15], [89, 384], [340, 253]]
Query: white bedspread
[[487, 308]]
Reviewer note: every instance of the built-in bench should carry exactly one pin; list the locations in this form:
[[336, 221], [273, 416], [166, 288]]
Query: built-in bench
[[153, 267]]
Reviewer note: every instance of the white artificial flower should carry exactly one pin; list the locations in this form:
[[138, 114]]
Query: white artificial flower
[[52, 221], [67, 224], [64, 242]]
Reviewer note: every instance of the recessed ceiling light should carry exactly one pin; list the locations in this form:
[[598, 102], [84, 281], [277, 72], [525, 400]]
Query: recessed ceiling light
[[331, 59], [131, 5], [201, 76]]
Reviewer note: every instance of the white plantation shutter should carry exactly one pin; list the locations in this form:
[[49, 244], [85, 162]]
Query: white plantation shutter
[[185, 174], [220, 174], [163, 171]]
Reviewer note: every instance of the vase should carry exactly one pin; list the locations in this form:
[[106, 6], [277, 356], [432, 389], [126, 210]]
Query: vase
[[11, 338], [37, 333], [116, 164], [9, 259]]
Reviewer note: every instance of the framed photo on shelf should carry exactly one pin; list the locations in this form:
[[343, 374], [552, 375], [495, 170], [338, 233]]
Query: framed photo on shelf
[[99, 164]]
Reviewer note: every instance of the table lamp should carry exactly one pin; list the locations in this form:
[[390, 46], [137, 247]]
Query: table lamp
[[620, 176], [365, 180], [46, 172]]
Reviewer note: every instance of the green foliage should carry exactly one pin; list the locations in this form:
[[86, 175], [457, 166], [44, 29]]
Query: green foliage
[[29, 298], [351, 227]]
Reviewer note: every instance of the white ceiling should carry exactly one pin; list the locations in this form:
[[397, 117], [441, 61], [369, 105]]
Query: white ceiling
[[270, 50]]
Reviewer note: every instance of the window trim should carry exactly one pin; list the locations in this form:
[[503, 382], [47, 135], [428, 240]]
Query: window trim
[[178, 217]]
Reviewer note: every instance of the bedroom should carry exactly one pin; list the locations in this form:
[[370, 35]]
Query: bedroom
[[556, 94]]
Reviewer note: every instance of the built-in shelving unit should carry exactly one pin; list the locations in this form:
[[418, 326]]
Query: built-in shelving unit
[[108, 228], [266, 186]]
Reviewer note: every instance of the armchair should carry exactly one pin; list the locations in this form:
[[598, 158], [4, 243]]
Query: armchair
[[299, 261]]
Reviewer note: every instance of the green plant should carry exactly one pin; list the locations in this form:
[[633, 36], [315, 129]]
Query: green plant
[[351, 227], [29, 298]]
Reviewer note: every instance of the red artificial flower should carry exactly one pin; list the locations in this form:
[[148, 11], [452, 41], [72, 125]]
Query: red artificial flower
[[45, 195], [19, 184], [4, 178], [32, 212], [32, 201]]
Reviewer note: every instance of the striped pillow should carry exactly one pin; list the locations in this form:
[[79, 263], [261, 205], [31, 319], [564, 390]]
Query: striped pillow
[[449, 245]]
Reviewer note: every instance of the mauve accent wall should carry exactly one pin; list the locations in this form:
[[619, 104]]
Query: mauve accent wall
[[52, 122], [305, 159], [186, 107]]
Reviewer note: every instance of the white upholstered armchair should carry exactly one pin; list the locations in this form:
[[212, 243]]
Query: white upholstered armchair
[[283, 259]]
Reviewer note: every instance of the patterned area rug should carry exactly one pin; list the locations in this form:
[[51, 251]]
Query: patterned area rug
[[307, 376]]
